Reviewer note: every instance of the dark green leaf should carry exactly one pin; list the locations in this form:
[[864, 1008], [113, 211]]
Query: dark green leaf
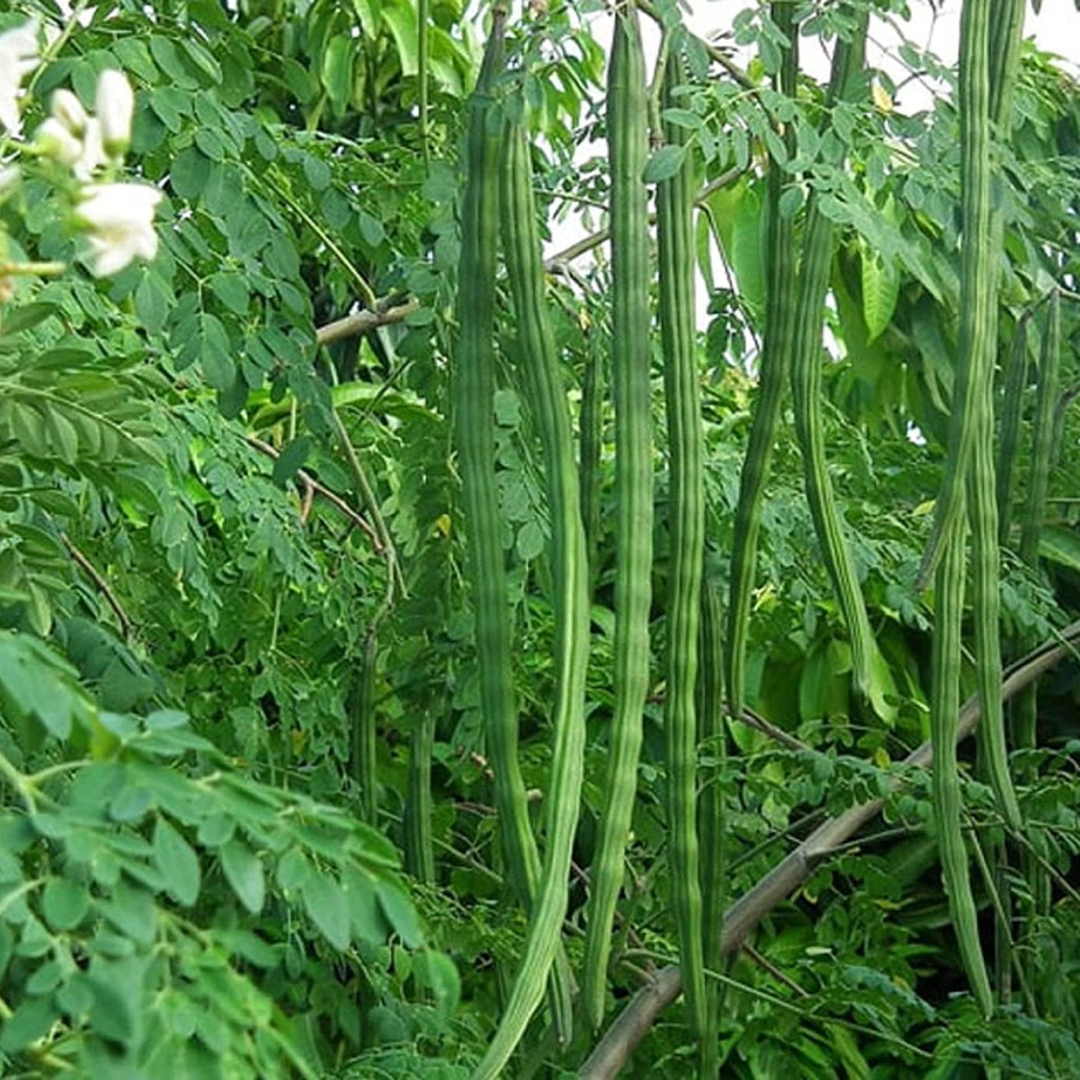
[[664, 163], [64, 903], [177, 862], [325, 902], [244, 872], [291, 460]]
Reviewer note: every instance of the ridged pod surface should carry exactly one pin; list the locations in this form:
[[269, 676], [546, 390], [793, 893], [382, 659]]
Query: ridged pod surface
[[1016, 377], [1002, 51], [772, 378], [686, 529], [548, 403], [995, 23], [1042, 456], [711, 825], [945, 782], [813, 283], [627, 111], [474, 381], [419, 850], [591, 441], [978, 275]]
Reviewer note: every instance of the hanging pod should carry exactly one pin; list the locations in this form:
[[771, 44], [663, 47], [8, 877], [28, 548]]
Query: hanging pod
[[977, 296], [548, 403], [772, 378], [474, 383], [813, 284], [627, 111]]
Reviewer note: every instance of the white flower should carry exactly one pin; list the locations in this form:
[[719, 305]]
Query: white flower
[[93, 154], [119, 219], [9, 177], [56, 141], [67, 108], [18, 57], [114, 105]]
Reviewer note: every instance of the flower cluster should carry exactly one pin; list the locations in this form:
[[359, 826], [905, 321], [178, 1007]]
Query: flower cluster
[[18, 57], [116, 217]]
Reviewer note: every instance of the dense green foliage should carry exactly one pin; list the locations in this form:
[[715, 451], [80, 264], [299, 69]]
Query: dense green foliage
[[309, 763]]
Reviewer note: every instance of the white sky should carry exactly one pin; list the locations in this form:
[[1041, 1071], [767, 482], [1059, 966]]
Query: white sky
[[1056, 29]]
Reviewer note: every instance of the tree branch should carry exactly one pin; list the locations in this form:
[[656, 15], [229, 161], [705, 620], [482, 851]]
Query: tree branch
[[362, 321], [624, 1035], [92, 572], [332, 497]]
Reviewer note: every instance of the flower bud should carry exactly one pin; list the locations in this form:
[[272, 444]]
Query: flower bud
[[91, 153], [114, 104], [54, 140], [67, 108]]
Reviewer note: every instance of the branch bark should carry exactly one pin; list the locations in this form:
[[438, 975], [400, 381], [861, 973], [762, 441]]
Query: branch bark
[[624, 1035], [363, 321]]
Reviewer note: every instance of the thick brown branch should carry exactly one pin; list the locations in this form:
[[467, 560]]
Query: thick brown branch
[[363, 321], [92, 572], [332, 497], [621, 1039]]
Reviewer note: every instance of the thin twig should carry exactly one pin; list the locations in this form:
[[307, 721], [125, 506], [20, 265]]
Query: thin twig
[[92, 572], [759, 723], [714, 51], [767, 965], [371, 504], [594, 240], [331, 497]]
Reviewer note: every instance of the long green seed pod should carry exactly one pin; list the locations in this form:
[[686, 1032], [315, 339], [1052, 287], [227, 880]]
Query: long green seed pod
[[1042, 449], [419, 849], [976, 307], [772, 378], [627, 110], [986, 602], [978, 273], [1006, 36], [806, 386], [365, 735], [1001, 56], [944, 723], [1016, 377], [1042, 455], [712, 736], [686, 528], [475, 429], [547, 400], [592, 437]]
